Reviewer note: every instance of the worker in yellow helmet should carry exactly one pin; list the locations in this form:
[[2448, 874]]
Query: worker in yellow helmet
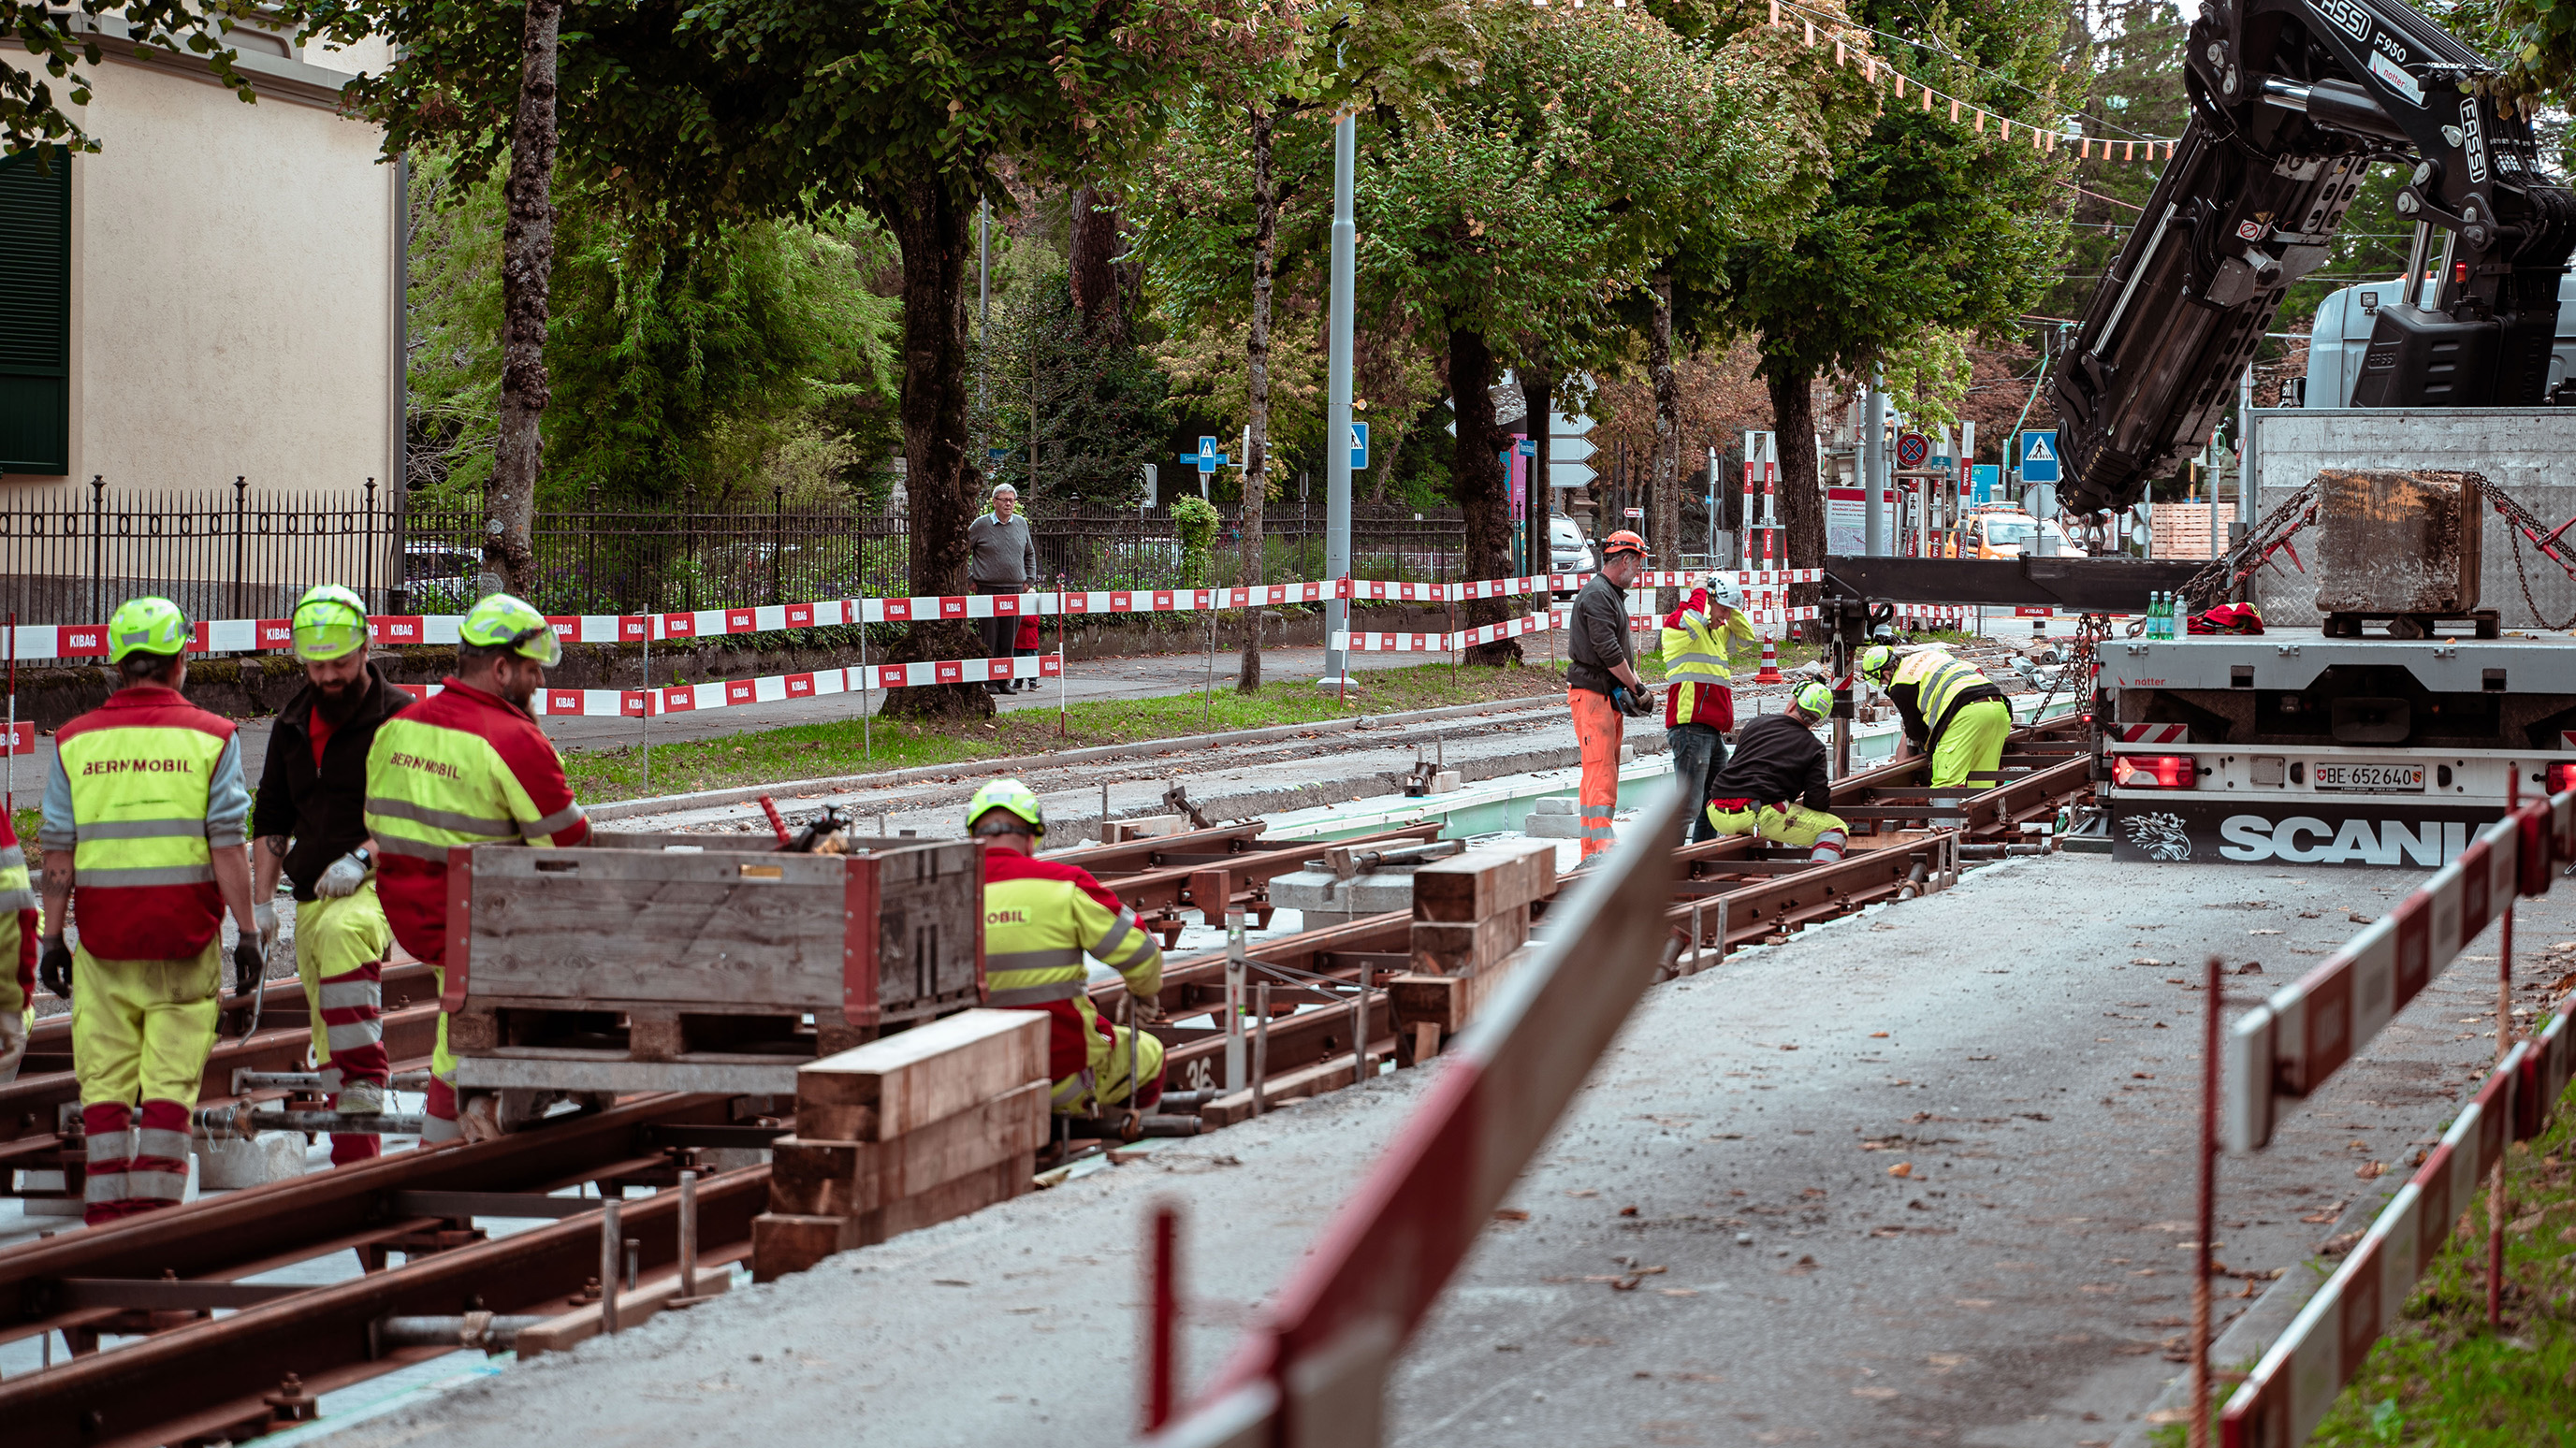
[[1699, 702], [1949, 710], [1040, 920], [143, 814], [1774, 787], [310, 825]]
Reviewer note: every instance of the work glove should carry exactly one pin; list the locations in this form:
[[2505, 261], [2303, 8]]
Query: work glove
[[263, 917], [54, 968], [342, 878], [250, 965]]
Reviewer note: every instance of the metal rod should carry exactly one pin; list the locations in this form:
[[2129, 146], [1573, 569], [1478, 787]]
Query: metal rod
[[1359, 1030], [610, 1239], [1163, 1346], [634, 1261], [2213, 986], [1234, 971], [688, 1234], [1260, 1047]]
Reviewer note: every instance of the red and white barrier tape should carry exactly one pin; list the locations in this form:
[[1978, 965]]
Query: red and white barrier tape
[[2289, 1045], [41, 642], [1314, 1368], [775, 688], [2295, 1383]]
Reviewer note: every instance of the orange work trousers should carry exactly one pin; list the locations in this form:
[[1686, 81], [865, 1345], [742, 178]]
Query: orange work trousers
[[1599, 728]]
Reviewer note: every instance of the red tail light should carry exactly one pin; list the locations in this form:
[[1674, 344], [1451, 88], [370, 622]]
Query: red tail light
[[2154, 771], [2562, 777]]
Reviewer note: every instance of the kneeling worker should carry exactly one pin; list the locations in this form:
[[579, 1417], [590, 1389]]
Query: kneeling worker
[[310, 823], [20, 927], [1950, 711], [143, 816], [1774, 788], [1040, 919]]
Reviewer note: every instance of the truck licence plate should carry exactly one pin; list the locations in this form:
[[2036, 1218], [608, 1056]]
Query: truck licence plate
[[2367, 778]]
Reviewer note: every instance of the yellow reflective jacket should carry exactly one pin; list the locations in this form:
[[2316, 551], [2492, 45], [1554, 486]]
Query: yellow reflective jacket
[[1695, 663], [1040, 919]]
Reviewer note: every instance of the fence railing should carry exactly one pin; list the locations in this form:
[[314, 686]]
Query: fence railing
[[247, 553]]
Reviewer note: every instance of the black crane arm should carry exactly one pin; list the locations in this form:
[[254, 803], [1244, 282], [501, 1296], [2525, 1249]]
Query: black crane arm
[[2291, 100]]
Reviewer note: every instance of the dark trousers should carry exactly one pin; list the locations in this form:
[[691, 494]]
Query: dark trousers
[[1699, 752], [999, 632]]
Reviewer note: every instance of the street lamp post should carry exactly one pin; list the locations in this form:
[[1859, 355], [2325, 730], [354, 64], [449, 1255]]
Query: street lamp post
[[1337, 409]]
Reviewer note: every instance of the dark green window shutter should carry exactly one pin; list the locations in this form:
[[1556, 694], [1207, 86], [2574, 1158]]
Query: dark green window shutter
[[36, 313]]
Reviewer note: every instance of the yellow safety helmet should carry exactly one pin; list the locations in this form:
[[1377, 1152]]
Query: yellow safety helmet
[[1877, 662], [329, 622], [1814, 700], [501, 621], [147, 626], [1012, 798]]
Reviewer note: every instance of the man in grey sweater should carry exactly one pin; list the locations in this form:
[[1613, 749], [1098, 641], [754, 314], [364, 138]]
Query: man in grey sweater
[[1004, 560]]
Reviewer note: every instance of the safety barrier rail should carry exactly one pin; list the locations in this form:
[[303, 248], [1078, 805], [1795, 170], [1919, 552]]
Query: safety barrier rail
[[1313, 1372], [775, 688]]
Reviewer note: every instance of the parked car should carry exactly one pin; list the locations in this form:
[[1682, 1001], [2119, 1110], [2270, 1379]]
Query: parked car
[[441, 577], [1568, 551], [1995, 532]]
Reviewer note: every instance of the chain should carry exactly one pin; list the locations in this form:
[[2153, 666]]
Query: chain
[[2206, 588], [2520, 523]]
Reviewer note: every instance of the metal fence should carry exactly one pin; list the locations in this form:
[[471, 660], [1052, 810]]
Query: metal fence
[[247, 553], [219, 553]]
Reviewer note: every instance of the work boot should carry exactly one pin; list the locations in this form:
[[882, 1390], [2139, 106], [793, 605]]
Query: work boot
[[362, 1098]]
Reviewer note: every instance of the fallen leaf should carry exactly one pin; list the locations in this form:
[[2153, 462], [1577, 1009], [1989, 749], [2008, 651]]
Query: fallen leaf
[[1974, 1301], [1678, 1291], [1583, 1192], [1878, 1035], [2145, 960], [1879, 1393], [2338, 1244], [2250, 968], [2142, 1075], [1784, 1048], [1589, 1341], [1697, 1377], [2262, 932], [2525, 1224], [1901, 1169], [1981, 1058], [1623, 1211], [1887, 1231], [1946, 1359], [1510, 1214], [2370, 1170]]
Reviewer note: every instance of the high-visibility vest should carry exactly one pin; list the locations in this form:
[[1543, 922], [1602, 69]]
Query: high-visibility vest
[[142, 772], [1040, 919], [459, 768], [1938, 681], [21, 924], [1695, 658]]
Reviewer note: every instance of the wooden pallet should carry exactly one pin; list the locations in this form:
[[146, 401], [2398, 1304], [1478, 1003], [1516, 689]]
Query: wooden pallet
[[2414, 625]]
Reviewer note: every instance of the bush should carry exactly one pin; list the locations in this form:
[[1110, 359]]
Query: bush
[[1195, 520]]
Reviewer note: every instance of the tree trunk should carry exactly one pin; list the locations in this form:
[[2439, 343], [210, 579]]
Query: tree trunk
[[1801, 496], [527, 260], [1256, 358], [930, 226], [1093, 268], [1477, 481], [1667, 515]]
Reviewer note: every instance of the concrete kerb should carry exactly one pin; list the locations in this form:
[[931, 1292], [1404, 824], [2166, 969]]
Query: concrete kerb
[[1141, 749]]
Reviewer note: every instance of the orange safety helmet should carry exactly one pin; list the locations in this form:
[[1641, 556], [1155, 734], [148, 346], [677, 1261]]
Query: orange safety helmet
[[1623, 541]]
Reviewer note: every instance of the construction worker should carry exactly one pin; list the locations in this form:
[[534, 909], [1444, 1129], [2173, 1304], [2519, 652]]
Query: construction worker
[[1601, 685], [143, 812], [311, 825], [1699, 707], [1950, 711], [465, 766], [21, 925], [1040, 920], [1775, 787]]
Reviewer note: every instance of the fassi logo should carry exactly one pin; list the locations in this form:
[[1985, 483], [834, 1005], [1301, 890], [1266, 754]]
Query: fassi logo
[[2307, 840]]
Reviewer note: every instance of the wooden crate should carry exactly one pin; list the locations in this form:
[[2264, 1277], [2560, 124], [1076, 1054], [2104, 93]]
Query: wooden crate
[[657, 963]]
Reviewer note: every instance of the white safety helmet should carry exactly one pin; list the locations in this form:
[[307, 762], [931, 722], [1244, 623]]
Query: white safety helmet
[[1722, 593]]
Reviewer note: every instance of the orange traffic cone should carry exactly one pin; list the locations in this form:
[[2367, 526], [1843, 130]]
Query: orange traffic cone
[[1770, 665]]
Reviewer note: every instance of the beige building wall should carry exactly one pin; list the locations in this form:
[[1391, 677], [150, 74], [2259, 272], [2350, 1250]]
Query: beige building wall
[[235, 284]]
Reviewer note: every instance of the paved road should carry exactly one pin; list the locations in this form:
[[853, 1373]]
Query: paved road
[[2036, 1078]]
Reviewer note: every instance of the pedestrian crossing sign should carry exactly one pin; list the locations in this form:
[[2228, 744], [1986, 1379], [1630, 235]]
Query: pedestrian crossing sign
[[2039, 456]]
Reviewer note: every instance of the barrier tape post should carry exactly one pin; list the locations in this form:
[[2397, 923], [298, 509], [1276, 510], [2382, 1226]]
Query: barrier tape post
[[1064, 677], [1314, 1369], [2207, 1222], [1163, 1323]]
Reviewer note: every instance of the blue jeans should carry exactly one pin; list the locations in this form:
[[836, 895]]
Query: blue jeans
[[1699, 752]]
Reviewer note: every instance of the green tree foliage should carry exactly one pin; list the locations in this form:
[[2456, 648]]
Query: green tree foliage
[[750, 359], [1092, 410], [60, 38]]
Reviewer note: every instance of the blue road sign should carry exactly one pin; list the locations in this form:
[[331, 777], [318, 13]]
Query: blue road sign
[[1528, 446], [2039, 456], [1207, 457], [1986, 479], [1359, 446]]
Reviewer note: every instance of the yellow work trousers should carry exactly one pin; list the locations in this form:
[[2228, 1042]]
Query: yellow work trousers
[[1822, 835], [340, 949], [142, 1029], [1599, 729], [1972, 744], [1106, 1081]]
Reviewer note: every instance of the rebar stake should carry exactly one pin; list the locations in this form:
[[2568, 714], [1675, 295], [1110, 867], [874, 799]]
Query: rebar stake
[[610, 1239]]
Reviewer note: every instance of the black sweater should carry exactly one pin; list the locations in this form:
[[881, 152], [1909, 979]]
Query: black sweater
[[324, 810], [1776, 759]]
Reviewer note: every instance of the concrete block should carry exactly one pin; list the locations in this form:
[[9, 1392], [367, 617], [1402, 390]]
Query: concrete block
[[1318, 892], [1153, 828], [1553, 826], [1560, 804], [2397, 542], [271, 1156], [1627, 754], [1444, 782]]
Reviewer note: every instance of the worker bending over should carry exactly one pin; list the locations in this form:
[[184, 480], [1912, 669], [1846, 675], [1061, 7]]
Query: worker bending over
[[1699, 704], [1950, 711], [1601, 686], [144, 812], [21, 923], [1775, 787], [311, 824], [465, 766], [1040, 919]]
